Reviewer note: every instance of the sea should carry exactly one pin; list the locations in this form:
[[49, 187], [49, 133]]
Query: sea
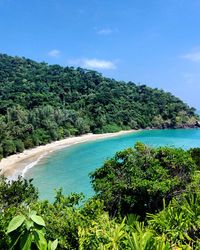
[[69, 168]]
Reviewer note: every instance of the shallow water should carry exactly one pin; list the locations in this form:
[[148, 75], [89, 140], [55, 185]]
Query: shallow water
[[69, 168]]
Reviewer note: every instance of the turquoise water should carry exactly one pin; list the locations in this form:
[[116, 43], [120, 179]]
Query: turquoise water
[[69, 167]]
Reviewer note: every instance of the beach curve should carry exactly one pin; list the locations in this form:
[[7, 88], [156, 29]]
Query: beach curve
[[18, 164]]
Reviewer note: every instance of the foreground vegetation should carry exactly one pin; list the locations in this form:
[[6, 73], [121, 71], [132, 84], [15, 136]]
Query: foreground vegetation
[[41, 103], [146, 198]]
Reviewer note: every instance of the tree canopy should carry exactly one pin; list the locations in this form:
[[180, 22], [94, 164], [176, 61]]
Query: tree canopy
[[40, 103], [137, 179]]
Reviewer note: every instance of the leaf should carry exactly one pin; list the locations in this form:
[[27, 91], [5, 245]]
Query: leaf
[[40, 240], [28, 224], [32, 212], [37, 219], [26, 241], [15, 223], [52, 245]]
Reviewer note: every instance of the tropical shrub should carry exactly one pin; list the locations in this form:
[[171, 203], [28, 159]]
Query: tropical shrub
[[195, 154], [179, 221], [28, 232], [14, 193], [136, 180]]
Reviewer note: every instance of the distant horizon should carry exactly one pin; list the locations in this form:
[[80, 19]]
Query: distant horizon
[[155, 43]]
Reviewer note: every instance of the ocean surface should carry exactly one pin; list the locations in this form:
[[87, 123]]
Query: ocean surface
[[69, 168]]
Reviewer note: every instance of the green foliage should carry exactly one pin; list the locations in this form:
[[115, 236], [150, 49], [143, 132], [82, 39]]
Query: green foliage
[[14, 193], [40, 103], [15, 223], [1, 152], [102, 233], [195, 154], [27, 232], [110, 128], [19, 146], [8, 147], [143, 238], [179, 221], [139, 176], [62, 219], [137, 179], [108, 234]]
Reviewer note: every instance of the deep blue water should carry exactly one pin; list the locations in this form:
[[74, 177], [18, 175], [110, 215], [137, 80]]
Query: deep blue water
[[69, 168]]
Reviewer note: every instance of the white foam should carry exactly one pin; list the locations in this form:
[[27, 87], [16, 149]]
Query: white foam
[[32, 164]]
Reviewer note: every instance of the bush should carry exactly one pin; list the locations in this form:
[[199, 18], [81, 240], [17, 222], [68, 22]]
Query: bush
[[195, 154], [179, 221], [27, 231], [111, 128], [14, 193], [28, 142], [66, 133], [8, 147], [137, 179], [1, 152], [19, 146]]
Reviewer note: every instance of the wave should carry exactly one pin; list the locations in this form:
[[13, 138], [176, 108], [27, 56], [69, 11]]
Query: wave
[[32, 164], [25, 169]]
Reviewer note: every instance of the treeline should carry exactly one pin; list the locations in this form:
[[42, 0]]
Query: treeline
[[146, 198], [40, 103]]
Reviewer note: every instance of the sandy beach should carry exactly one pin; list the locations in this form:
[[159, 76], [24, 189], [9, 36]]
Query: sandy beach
[[17, 164]]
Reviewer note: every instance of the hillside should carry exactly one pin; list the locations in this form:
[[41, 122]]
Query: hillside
[[40, 103]]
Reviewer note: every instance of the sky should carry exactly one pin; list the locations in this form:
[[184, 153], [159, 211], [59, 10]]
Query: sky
[[152, 42]]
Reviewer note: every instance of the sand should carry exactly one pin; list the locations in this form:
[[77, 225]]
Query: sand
[[18, 164]]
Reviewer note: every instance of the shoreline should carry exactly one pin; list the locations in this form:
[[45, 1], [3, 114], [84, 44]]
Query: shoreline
[[18, 164]]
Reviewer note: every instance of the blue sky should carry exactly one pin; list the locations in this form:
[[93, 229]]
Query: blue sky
[[153, 42]]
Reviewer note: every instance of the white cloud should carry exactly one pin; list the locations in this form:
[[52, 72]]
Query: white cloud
[[193, 56], [94, 63], [99, 64], [106, 31], [54, 53]]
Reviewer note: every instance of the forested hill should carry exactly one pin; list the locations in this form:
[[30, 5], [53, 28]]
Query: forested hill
[[40, 103]]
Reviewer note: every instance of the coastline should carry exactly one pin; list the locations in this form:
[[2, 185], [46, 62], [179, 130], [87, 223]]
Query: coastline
[[18, 164]]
